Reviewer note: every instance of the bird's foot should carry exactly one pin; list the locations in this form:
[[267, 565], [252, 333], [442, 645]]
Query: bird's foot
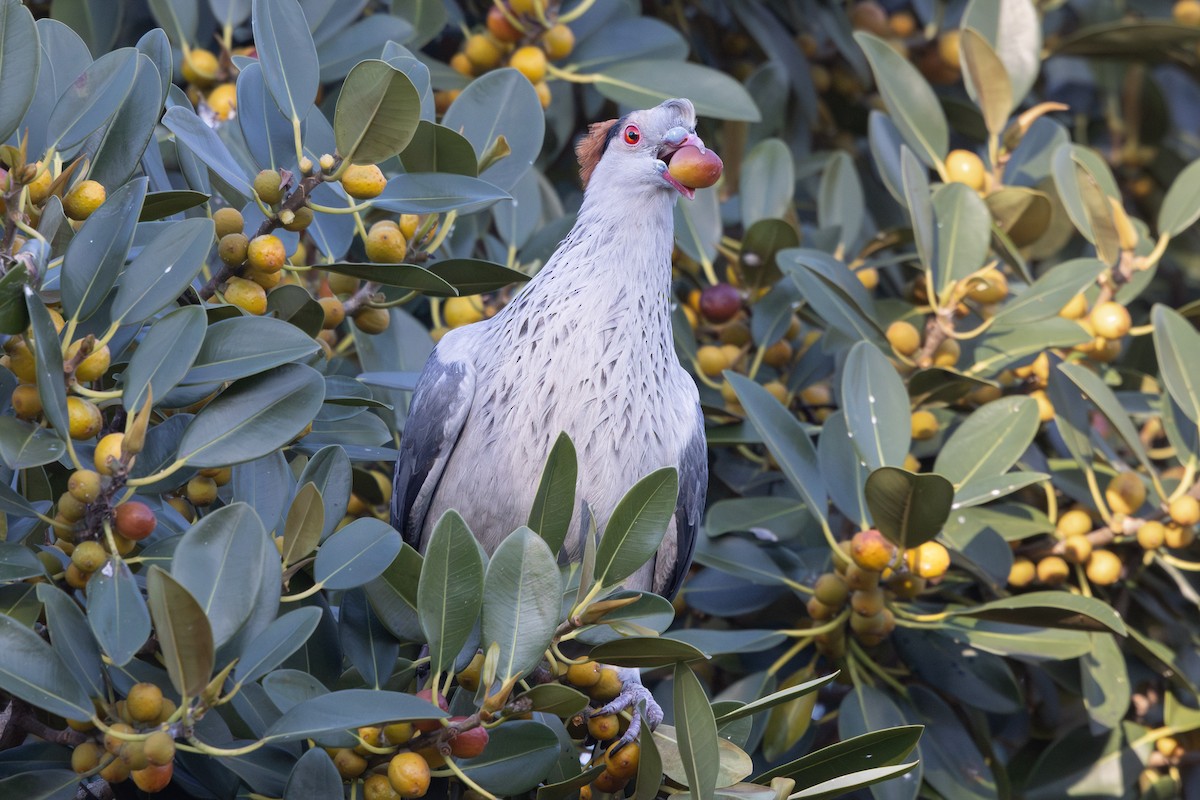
[[641, 704]]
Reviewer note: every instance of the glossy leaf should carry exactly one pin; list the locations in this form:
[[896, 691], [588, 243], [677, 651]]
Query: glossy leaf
[[356, 554], [1050, 609], [282, 637], [287, 54], [450, 589], [637, 526], [518, 756], [404, 276], [253, 417], [95, 256], [72, 639], [908, 508], [909, 100], [205, 145], [32, 671], [183, 633], [19, 63], [24, 445], [474, 276], [697, 731], [554, 503], [877, 748], [436, 148], [774, 699], [117, 612], [875, 405], [377, 113], [348, 708], [162, 270], [119, 147], [164, 355], [989, 441], [1106, 685], [241, 346], [219, 560], [523, 592]]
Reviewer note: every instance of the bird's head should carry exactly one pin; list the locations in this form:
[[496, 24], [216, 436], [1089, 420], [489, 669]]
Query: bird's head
[[654, 150]]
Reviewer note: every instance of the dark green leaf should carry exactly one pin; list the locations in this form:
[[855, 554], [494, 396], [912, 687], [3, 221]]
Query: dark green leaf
[[95, 256], [304, 525], [45, 784], [164, 355], [637, 526], [377, 113], [1050, 609], [219, 561], [450, 589], [349, 708], [910, 101], [837, 787], [284, 636], [356, 554], [436, 193], [404, 276], [159, 205], [72, 638], [877, 748], [697, 731], [24, 445], [287, 55], [14, 316], [17, 562], [474, 276], [556, 698], [92, 98], [1106, 686], [162, 270], [241, 346], [313, 776], [989, 441], [635, 651], [183, 632], [523, 592], [253, 417], [19, 62], [518, 756], [32, 671], [119, 147], [908, 508], [962, 236], [436, 148], [876, 407], [776, 698], [117, 612], [1049, 293], [1175, 341], [554, 503]]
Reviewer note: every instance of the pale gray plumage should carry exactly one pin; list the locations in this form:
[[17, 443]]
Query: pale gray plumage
[[586, 348]]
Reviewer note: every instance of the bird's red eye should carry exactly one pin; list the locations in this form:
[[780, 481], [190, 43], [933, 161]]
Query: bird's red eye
[[632, 134]]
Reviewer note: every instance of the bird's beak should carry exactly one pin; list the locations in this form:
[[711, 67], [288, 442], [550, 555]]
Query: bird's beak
[[686, 164]]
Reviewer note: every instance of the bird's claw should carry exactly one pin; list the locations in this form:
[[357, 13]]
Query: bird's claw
[[641, 704]]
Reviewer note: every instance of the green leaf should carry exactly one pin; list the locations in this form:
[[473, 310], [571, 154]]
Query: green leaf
[[518, 756], [785, 439], [1085, 200], [555, 698], [986, 80], [164, 355], [436, 148], [648, 82], [764, 239], [404, 276], [962, 237], [554, 503], [20, 58], [72, 639], [183, 633], [697, 731], [1014, 30], [789, 721], [523, 594], [840, 201], [393, 595], [784, 695], [162, 270], [833, 291], [645, 651], [783, 516], [985, 490], [95, 256], [876, 407], [287, 54], [878, 748], [159, 205], [474, 275], [313, 776], [241, 346], [283, 636], [253, 417], [1181, 207], [24, 445], [92, 98], [219, 560], [14, 316], [204, 144], [837, 787], [1006, 344], [1019, 640], [918, 197], [989, 441], [450, 589], [118, 148], [47, 353], [437, 193], [356, 554], [500, 103], [637, 526], [1175, 342], [1046, 296], [348, 708], [117, 613], [908, 508], [731, 764], [950, 760], [17, 562], [45, 784], [767, 182], [1105, 679], [650, 768], [377, 113], [1049, 609], [304, 525], [910, 101], [32, 671], [1022, 214], [1106, 400]]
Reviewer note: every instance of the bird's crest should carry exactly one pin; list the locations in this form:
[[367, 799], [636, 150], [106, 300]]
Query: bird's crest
[[591, 147]]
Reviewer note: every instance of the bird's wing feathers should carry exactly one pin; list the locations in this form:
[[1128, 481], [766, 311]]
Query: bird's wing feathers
[[439, 409], [689, 508]]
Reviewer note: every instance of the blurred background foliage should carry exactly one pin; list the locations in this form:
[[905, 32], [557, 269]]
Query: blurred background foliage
[[941, 310]]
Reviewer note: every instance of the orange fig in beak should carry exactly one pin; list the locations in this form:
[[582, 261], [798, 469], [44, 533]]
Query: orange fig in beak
[[695, 167]]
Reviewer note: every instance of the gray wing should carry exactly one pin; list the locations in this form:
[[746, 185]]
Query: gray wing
[[689, 509], [439, 409]]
